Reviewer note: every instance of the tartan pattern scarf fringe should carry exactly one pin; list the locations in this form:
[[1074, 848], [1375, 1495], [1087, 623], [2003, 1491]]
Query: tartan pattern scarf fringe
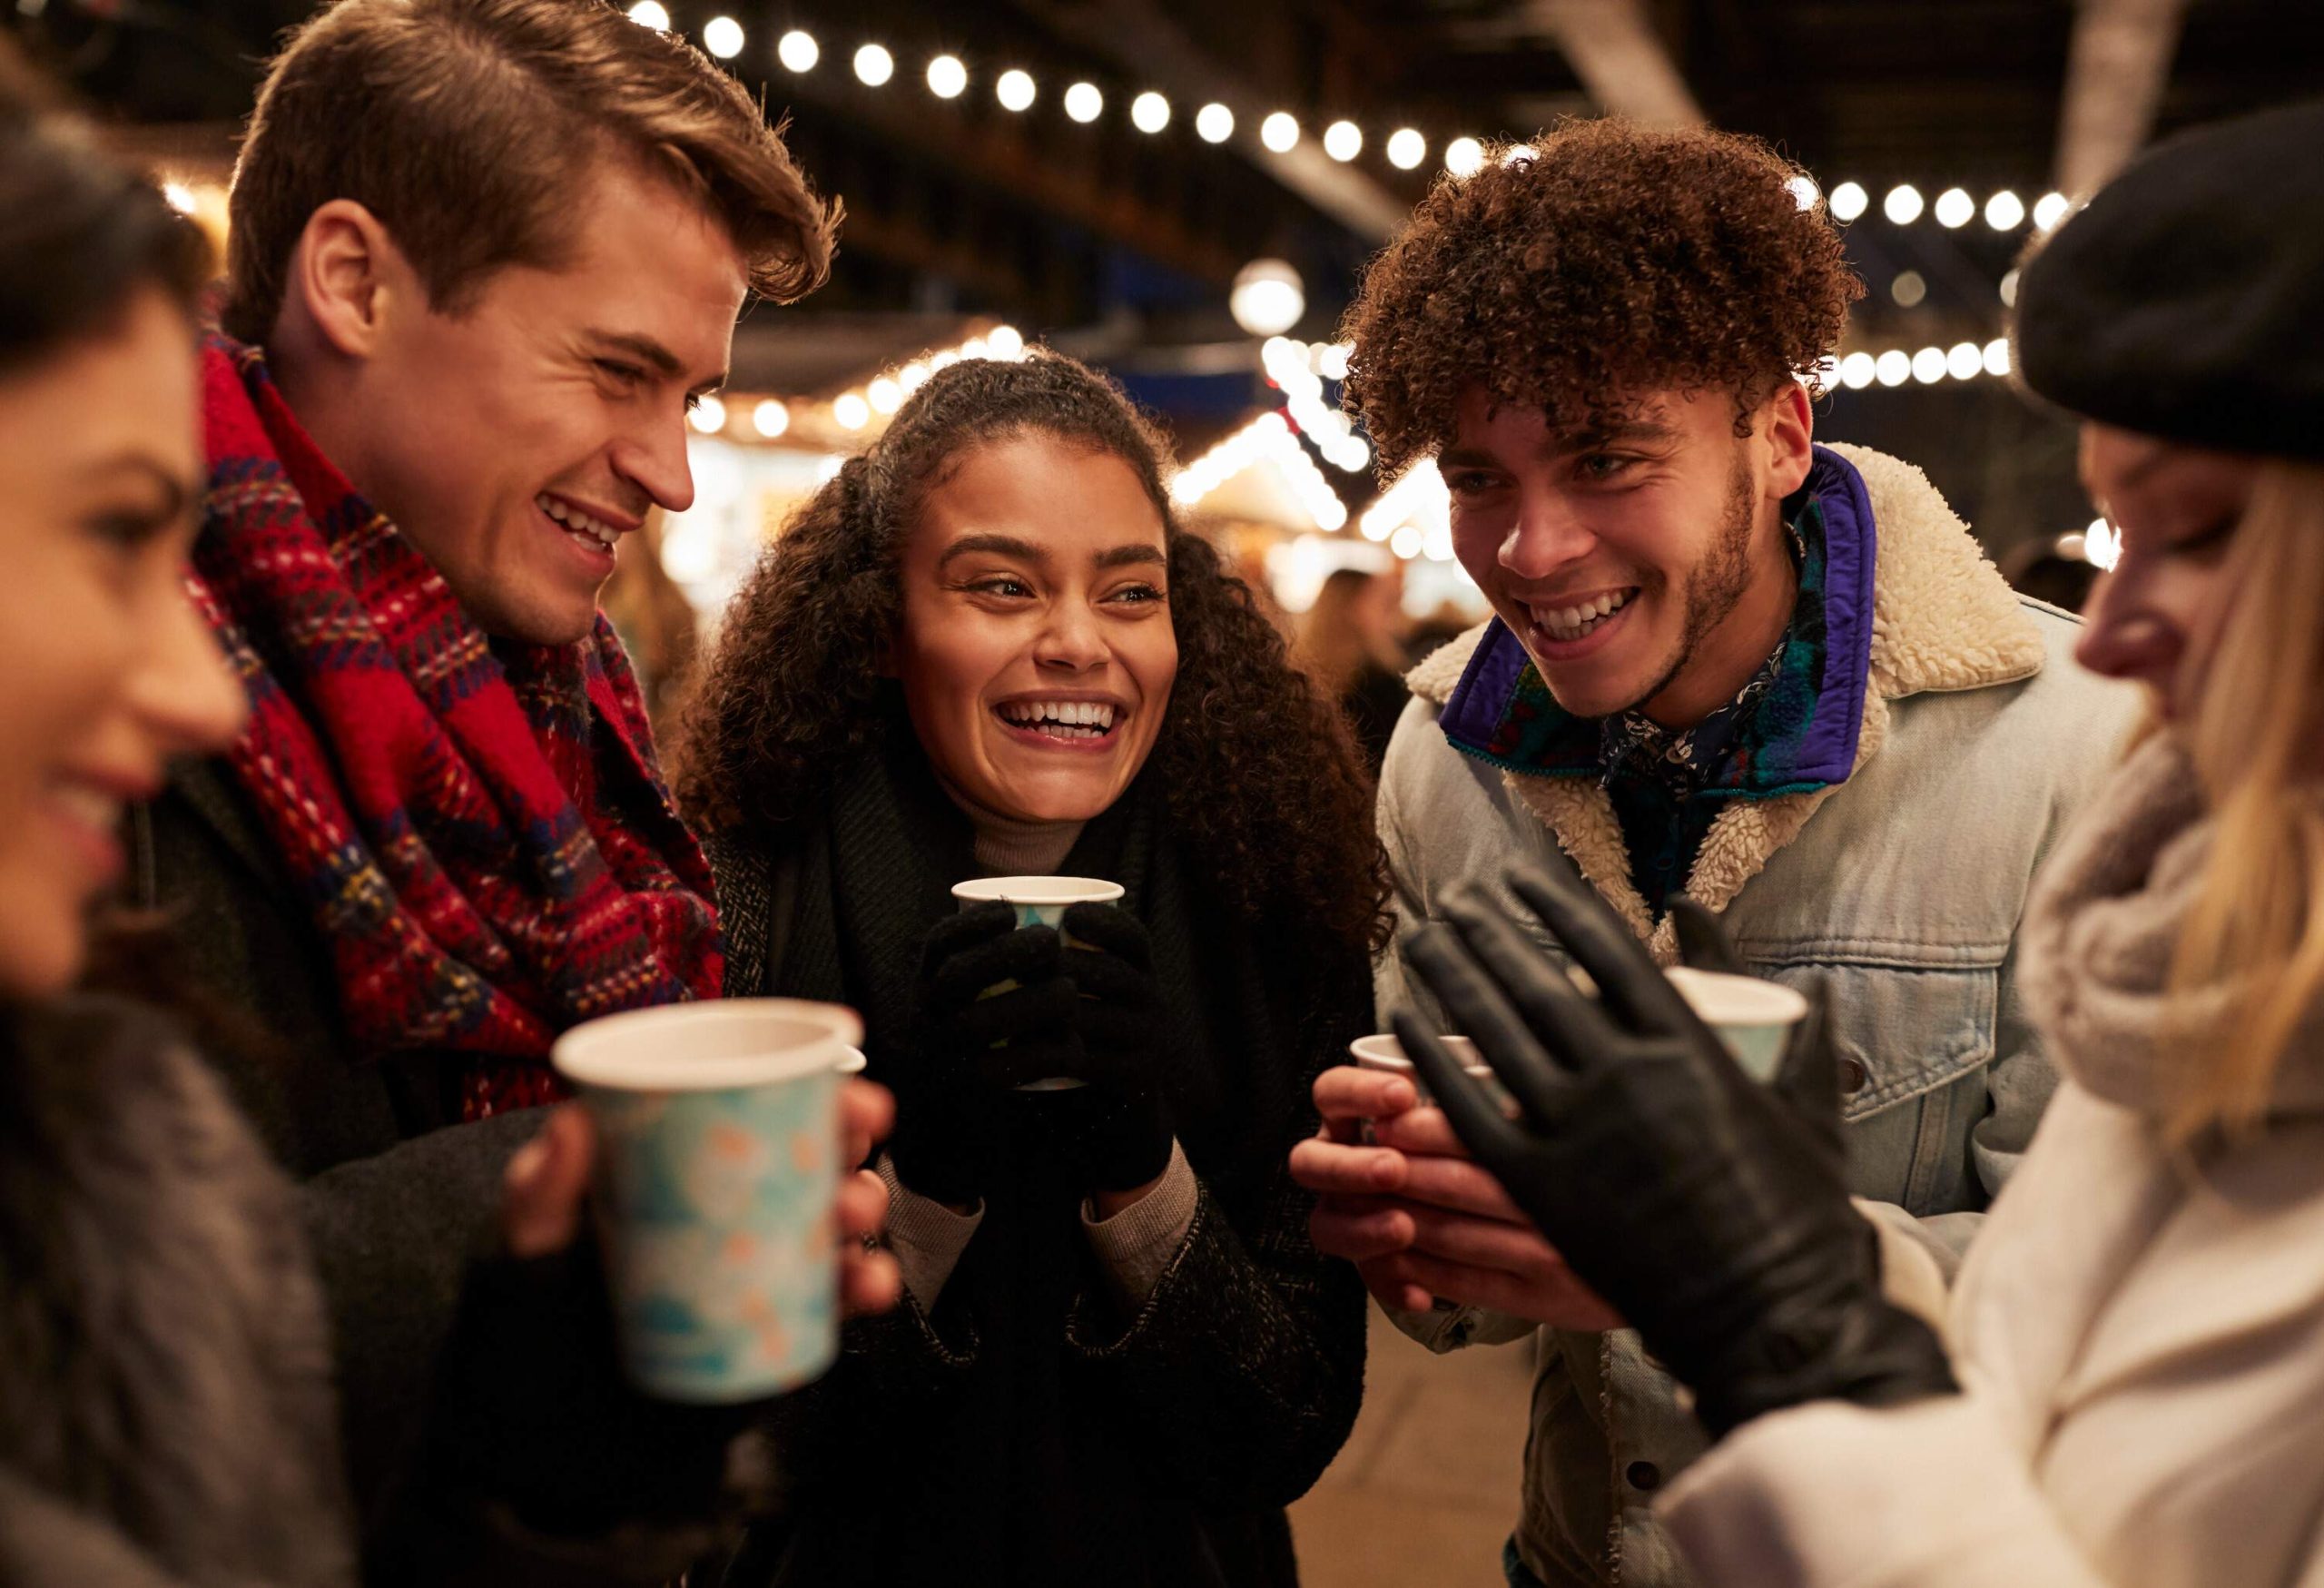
[[479, 827]]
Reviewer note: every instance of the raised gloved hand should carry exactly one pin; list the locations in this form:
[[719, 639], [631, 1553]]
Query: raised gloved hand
[[1702, 1205], [967, 1049], [1114, 1131]]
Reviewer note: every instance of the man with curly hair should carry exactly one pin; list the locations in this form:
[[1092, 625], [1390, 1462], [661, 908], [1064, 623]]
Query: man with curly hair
[[1726, 662]]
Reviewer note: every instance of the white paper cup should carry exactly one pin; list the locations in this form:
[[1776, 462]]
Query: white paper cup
[[718, 1126], [1386, 1054], [1752, 1016], [1039, 902]]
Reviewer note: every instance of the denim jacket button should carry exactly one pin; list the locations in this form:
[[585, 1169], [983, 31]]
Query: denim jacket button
[[1644, 1475], [1853, 1075]]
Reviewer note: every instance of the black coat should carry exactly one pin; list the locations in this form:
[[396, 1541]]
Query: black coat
[[396, 1198], [1027, 1431]]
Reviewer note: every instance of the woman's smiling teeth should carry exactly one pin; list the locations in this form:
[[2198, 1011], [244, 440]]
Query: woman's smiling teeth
[[1059, 719], [590, 532], [1571, 623]]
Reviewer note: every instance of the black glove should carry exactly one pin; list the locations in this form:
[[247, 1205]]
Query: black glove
[[1114, 1131], [533, 1412], [1694, 1201], [967, 1050]]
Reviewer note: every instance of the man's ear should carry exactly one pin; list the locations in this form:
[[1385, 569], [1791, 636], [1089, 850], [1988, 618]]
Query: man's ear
[[346, 276], [1790, 430]]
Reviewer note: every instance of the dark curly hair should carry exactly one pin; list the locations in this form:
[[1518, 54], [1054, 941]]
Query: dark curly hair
[[1261, 777], [1613, 260]]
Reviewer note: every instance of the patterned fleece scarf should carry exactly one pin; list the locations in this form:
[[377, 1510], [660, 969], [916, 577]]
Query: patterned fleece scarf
[[479, 827]]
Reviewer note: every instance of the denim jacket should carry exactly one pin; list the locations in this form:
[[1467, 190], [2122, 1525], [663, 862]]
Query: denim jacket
[[1977, 740]]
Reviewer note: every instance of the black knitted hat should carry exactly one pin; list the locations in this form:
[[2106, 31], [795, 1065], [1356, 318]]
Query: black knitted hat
[[2186, 300]]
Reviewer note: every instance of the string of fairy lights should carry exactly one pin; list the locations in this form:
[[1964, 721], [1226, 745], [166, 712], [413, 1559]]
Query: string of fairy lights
[[1407, 148]]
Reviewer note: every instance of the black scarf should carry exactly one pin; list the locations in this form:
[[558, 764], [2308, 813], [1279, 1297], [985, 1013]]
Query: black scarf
[[1010, 1476]]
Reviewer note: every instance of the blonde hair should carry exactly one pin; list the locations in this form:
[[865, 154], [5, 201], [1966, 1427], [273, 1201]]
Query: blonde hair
[[2254, 740], [468, 126]]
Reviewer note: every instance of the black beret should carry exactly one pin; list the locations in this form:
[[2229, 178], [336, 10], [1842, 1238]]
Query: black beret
[[2186, 301]]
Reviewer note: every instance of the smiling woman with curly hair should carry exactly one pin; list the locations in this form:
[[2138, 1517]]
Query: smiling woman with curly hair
[[988, 647]]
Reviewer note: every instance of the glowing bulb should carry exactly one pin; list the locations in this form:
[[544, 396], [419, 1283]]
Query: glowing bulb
[[1955, 209], [1804, 191], [1331, 359], [1908, 289], [1903, 205], [828, 469], [2005, 212], [1005, 341], [884, 395], [1464, 157], [1343, 141], [1407, 149], [1520, 155], [874, 66], [2009, 289], [912, 376], [1893, 368], [709, 416], [947, 77], [1996, 356], [1214, 123], [1083, 102], [797, 50], [851, 411], [2050, 211], [1405, 542], [1848, 200], [1014, 90], [1964, 361], [2101, 546], [723, 37], [1856, 371], [1150, 112], [1267, 299], [180, 197], [1279, 132], [1928, 366], [771, 419], [650, 14]]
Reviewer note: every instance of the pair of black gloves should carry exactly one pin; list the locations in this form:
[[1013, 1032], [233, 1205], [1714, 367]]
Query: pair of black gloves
[[1077, 1004], [1711, 1211]]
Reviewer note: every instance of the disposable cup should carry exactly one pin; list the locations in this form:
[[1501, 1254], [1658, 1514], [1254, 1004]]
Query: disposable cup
[[1385, 1053], [1039, 902], [718, 1134], [1753, 1017]]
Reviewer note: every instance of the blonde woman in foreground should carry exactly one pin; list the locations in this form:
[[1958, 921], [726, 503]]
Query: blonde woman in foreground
[[2129, 1387]]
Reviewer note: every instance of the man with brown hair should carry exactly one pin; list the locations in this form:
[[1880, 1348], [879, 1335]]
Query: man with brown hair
[[1726, 662], [484, 256]]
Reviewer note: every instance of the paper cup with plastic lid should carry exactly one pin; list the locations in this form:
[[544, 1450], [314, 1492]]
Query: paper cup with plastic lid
[[1386, 1054], [718, 1130], [1752, 1016], [1039, 902]]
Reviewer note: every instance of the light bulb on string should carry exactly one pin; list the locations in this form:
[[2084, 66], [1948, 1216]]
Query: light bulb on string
[[1954, 209], [1406, 148], [1014, 89], [797, 50], [1964, 361], [650, 14], [1150, 112], [708, 415], [1903, 205], [947, 77], [851, 411], [1804, 191], [1213, 122], [1280, 132], [874, 66], [1848, 200], [1083, 103], [1464, 157], [2051, 210], [770, 418], [1343, 141], [1928, 366], [723, 37], [2005, 212]]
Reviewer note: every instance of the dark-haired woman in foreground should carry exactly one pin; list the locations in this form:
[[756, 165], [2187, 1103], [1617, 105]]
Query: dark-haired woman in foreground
[[987, 647]]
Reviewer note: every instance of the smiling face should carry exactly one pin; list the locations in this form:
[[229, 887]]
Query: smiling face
[[111, 672], [514, 440], [1035, 648], [2155, 619], [1641, 565]]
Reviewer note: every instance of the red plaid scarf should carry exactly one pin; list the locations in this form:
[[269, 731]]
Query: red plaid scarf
[[479, 828]]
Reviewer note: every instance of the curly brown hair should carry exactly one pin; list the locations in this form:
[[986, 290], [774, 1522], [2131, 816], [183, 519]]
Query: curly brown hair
[[1612, 261], [1259, 773]]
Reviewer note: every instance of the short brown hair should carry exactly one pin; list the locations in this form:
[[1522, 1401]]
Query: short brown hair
[[1612, 260], [467, 127]]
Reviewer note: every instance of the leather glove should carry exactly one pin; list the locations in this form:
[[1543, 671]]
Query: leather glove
[[967, 1050], [1697, 1202], [1114, 1131]]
